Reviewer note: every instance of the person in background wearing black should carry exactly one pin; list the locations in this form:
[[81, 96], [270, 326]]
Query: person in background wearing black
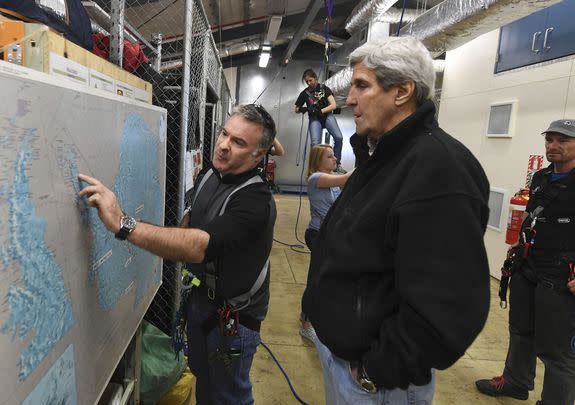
[[225, 241], [542, 301], [320, 104], [399, 278]]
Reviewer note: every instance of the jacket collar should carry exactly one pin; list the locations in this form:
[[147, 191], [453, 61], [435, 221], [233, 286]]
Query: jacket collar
[[422, 120], [549, 169]]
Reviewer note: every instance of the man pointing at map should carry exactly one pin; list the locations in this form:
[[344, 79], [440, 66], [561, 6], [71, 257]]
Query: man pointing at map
[[225, 243]]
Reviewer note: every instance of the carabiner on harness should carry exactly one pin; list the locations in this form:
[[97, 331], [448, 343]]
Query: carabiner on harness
[[179, 341], [528, 239], [188, 280]]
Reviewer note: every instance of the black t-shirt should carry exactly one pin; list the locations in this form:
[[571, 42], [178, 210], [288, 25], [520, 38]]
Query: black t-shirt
[[314, 100]]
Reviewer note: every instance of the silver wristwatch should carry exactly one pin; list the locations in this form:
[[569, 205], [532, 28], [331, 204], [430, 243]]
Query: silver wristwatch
[[364, 381], [127, 226]]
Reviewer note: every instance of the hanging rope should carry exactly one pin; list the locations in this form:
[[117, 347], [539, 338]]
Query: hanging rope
[[401, 18], [326, 29]]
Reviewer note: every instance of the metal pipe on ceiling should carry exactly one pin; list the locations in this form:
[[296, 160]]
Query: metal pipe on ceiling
[[254, 44], [310, 13]]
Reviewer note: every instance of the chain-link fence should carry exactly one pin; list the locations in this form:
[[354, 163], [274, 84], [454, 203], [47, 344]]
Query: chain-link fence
[[168, 44], [188, 80]]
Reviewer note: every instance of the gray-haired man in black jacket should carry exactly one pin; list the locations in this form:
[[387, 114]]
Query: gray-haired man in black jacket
[[399, 282]]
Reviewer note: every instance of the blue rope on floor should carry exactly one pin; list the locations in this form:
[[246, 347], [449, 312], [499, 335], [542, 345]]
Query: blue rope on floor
[[301, 401]]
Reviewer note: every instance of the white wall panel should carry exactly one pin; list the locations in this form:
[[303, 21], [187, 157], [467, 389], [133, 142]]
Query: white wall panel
[[544, 92]]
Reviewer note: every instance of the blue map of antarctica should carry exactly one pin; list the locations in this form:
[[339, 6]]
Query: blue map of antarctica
[[66, 283]]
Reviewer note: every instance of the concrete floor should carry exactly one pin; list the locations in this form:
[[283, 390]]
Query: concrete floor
[[298, 357]]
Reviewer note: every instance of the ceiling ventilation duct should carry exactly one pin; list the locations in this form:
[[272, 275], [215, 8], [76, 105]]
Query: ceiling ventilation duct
[[451, 24], [364, 12], [340, 82], [239, 48], [320, 39], [455, 22], [378, 26], [393, 15]]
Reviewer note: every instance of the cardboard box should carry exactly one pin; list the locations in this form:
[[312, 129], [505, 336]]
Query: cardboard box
[[49, 52]]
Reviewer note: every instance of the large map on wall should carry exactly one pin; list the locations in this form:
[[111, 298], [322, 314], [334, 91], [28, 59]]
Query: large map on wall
[[71, 295]]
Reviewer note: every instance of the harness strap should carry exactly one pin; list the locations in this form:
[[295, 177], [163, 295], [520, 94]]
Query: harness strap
[[202, 183], [210, 267], [559, 220], [246, 320], [251, 180], [245, 297]]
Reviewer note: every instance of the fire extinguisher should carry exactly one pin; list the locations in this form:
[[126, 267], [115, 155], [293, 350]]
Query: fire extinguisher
[[518, 204]]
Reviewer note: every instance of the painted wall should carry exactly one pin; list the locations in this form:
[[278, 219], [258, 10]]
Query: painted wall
[[544, 93]]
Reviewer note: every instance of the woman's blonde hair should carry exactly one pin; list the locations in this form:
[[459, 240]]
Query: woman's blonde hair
[[315, 156]]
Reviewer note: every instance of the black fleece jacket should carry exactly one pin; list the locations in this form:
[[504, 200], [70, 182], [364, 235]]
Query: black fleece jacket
[[399, 278]]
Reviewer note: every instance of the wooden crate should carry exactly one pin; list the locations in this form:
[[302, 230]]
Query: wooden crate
[[42, 45]]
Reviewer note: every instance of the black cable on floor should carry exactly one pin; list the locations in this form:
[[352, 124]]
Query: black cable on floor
[[301, 401], [294, 247]]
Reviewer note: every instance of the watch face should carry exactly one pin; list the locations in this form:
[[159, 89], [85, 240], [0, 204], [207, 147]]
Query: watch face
[[128, 223]]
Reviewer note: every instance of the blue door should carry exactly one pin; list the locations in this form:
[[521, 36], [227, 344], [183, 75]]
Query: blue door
[[559, 31], [521, 42], [545, 35]]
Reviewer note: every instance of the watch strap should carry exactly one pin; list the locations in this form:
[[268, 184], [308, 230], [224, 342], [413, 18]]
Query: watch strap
[[122, 234]]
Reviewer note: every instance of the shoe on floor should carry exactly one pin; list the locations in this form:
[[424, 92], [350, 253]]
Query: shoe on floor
[[308, 333], [498, 387], [340, 170]]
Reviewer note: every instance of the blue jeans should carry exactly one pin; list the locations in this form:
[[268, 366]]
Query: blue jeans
[[315, 127], [221, 364], [341, 389]]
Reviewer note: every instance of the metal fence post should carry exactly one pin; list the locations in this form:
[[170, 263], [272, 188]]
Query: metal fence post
[[117, 32]]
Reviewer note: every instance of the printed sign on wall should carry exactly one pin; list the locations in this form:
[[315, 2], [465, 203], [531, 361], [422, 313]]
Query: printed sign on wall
[[535, 164]]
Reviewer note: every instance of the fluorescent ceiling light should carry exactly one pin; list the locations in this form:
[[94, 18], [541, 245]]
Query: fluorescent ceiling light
[[266, 48], [273, 28], [264, 58]]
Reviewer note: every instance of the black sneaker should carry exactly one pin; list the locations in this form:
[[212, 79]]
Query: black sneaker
[[498, 387]]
